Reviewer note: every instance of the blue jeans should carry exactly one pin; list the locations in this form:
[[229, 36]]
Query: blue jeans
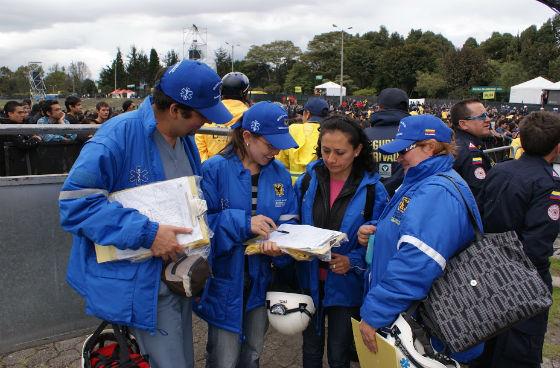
[[172, 344], [226, 349], [339, 338]]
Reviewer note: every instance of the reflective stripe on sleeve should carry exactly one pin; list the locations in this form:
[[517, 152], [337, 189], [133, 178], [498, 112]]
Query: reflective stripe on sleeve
[[288, 217], [75, 194], [425, 248]]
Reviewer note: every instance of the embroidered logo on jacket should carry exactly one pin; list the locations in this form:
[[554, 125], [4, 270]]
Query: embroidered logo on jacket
[[555, 195], [403, 204], [138, 176], [279, 189]]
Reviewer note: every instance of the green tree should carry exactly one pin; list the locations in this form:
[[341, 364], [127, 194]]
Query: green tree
[[153, 67], [57, 81], [171, 58], [466, 68], [430, 84], [323, 55], [300, 75], [471, 42], [499, 46], [278, 55], [107, 74], [222, 59], [89, 88]]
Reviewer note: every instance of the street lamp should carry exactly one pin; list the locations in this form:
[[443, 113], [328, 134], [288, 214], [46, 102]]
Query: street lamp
[[341, 57], [232, 45]]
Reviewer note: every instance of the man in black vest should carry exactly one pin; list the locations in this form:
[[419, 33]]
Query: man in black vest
[[393, 104]]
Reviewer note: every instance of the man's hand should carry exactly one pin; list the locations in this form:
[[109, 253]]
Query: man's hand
[[61, 120], [364, 232], [262, 225], [270, 249], [165, 244], [368, 335], [339, 264]]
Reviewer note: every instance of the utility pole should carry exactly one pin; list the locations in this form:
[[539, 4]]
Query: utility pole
[[341, 57], [232, 45]]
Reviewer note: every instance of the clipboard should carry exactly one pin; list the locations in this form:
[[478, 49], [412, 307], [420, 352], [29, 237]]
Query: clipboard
[[386, 356]]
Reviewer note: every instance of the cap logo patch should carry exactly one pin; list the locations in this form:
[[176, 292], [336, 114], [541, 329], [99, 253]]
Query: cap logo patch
[[217, 86], [255, 125], [284, 116], [403, 124], [430, 132], [172, 70], [186, 93]]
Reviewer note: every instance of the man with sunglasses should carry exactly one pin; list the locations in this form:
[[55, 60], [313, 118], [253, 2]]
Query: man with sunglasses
[[471, 123]]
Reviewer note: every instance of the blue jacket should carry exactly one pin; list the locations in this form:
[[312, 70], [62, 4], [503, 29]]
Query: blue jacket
[[340, 290], [423, 226], [227, 189], [122, 154]]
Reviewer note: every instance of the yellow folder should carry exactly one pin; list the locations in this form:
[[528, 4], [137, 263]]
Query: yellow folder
[[386, 356]]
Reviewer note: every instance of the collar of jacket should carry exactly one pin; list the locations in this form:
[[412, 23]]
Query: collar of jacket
[[388, 117], [426, 168], [539, 161], [146, 111], [234, 159], [462, 136]]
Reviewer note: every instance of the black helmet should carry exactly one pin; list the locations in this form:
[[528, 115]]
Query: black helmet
[[235, 85]]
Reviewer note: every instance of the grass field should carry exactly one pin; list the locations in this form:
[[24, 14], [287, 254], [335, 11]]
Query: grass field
[[555, 266], [552, 341]]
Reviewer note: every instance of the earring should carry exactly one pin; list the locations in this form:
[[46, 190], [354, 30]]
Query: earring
[[247, 143]]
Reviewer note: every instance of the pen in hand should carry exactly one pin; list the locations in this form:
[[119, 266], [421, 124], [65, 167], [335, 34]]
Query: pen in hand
[[282, 231]]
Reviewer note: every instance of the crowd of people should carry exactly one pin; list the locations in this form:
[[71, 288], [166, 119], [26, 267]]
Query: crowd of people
[[401, 187]]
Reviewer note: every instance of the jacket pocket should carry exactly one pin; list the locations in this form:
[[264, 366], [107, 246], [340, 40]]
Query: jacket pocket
[[217, 295], [121, 270]]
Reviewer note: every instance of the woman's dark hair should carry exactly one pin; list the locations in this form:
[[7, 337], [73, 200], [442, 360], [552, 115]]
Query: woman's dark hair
[[356, 136]]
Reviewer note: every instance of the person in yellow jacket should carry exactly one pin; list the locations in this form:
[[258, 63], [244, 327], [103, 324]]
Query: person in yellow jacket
[[235, 88], [306, 135], [516, 148]]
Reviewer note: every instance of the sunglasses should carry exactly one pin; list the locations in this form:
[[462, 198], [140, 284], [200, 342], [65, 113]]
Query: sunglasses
[[409, 148], [482, 117]]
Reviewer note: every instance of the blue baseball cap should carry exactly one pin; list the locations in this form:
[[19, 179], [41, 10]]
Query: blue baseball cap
[[318, 108], [417, 128], [269, 120], [196, 85]]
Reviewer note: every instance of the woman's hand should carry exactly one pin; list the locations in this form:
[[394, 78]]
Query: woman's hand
[[339, 264], [364, 232], [368, 335], [270, 249], [262, 225]]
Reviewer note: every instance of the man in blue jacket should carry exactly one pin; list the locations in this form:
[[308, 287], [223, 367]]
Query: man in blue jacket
[[150, 144]]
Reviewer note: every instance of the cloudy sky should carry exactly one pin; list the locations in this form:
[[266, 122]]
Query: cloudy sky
[[63, 31]]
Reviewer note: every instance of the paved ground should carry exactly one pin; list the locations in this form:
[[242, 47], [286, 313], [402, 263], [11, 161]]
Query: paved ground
[[279, 352]]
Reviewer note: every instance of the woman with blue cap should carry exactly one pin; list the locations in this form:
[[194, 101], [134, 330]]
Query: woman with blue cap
[[423, 226], [248, 193], [340, 191]]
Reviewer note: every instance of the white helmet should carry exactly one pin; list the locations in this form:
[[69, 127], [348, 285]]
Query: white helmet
[[413, 346], [289, 313]]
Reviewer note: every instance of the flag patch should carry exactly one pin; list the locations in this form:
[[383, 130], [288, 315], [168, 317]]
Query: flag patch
[[555, 195], [477, 160], [429, 132]]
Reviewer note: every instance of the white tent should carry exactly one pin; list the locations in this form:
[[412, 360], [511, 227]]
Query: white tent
[[330, 89], [529, 92]]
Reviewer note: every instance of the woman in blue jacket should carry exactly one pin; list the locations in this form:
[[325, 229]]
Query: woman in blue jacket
[[332, 194], [423, 226], [248, 193]]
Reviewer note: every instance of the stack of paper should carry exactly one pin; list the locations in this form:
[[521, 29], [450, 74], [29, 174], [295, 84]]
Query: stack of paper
[[303, 242], [174, 202]]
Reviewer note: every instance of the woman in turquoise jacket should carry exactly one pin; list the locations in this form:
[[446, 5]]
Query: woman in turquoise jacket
[[248, 193], [334, 193]]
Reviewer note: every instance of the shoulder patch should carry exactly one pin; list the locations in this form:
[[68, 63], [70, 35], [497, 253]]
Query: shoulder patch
[[479, 173], [554, 212]]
